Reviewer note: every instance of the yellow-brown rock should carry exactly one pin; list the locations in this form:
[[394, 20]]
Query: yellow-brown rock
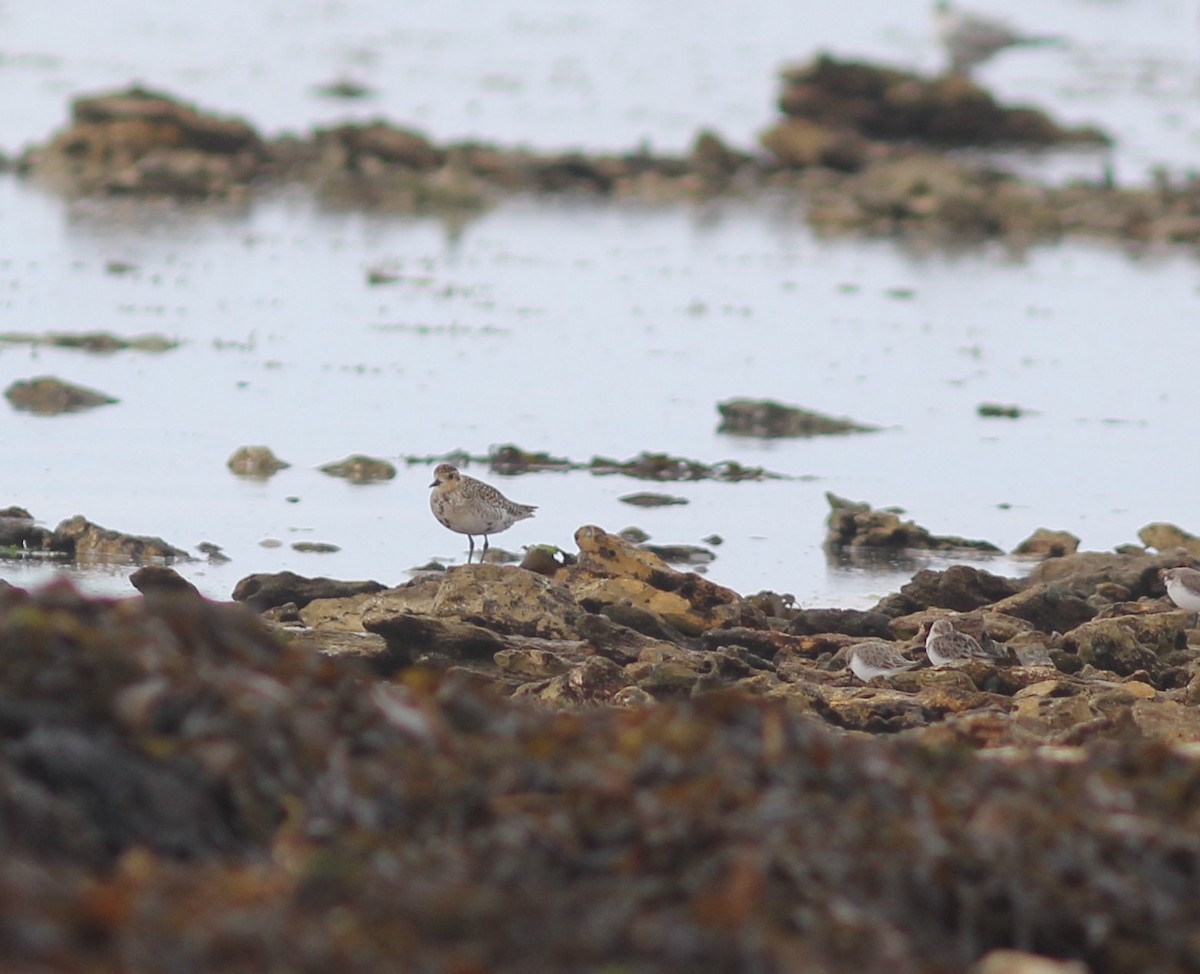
[[336, 615], [1167, 537], [1049, 717], [1166, 721], [1125, 644], [1044, 543], [504, 600], [611, 571]]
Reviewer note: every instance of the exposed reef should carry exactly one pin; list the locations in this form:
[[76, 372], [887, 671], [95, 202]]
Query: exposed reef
[[859, 149]]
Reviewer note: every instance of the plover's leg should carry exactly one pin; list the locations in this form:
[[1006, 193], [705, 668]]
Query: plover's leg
[[471, 550], [485, 546]]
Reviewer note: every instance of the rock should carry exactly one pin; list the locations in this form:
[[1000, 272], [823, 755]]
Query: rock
[[203, 132], [153, 580], [99, 342], [612, 571], [995, 410], [890, 105], [799, 143], [532, 664], [315, 547], [48, 396], [1019, 962], [1137, 576], [333, 613], [960, 588], [667, 680], [503, 600], [1166, 721], [1044, 543], [764, 418], [255, 461], [648, 499], [765, 644], [402, 147], [597, 681], [180, 781], [413, 638], [343, 88], [544, 559], [1167, 537], [1126, 644], [359, 469], [84, 541], [660, 466], [147, 143], [19, 530], [263, 591], [849, 622], [624, 613], [713, 160], [681, 554], [852, 524], [214, 553]]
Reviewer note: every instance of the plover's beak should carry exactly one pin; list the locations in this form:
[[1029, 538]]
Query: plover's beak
[[434, 484]]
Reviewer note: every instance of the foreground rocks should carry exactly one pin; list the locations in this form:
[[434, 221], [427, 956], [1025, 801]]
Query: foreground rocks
[[182, 780], [615, 624]]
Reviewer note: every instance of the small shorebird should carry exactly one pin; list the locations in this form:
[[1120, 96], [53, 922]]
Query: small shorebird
[[945, 645], [1183, 586], [876, 658], [970, 39], [471, 507]]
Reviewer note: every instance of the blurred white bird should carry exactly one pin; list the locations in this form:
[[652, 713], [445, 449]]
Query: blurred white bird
[[970, 39]]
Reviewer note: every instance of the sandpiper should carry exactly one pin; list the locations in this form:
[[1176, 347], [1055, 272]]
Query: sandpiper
[[471, 507], [970, 39], [1183, 586], [876, 658], [945, 645]]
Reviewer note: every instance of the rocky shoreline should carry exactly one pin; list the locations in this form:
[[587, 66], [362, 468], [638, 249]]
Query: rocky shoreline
[[603, 763], [859, 149], [591, 760]]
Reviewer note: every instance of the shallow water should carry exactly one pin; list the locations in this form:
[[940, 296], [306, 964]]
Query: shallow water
[[583, 330]]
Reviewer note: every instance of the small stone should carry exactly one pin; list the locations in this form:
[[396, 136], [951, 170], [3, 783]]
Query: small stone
[[48, 396], [255, 461], [994, 410], [315, 547], [359, 469], [648, 499]]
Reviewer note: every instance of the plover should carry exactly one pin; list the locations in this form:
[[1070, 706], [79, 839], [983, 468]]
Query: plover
[[970, 39], [1183, 586], [471, 507], [945, 645], [876, 658]]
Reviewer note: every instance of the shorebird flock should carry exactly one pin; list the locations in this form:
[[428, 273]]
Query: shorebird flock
[[944, 646]]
